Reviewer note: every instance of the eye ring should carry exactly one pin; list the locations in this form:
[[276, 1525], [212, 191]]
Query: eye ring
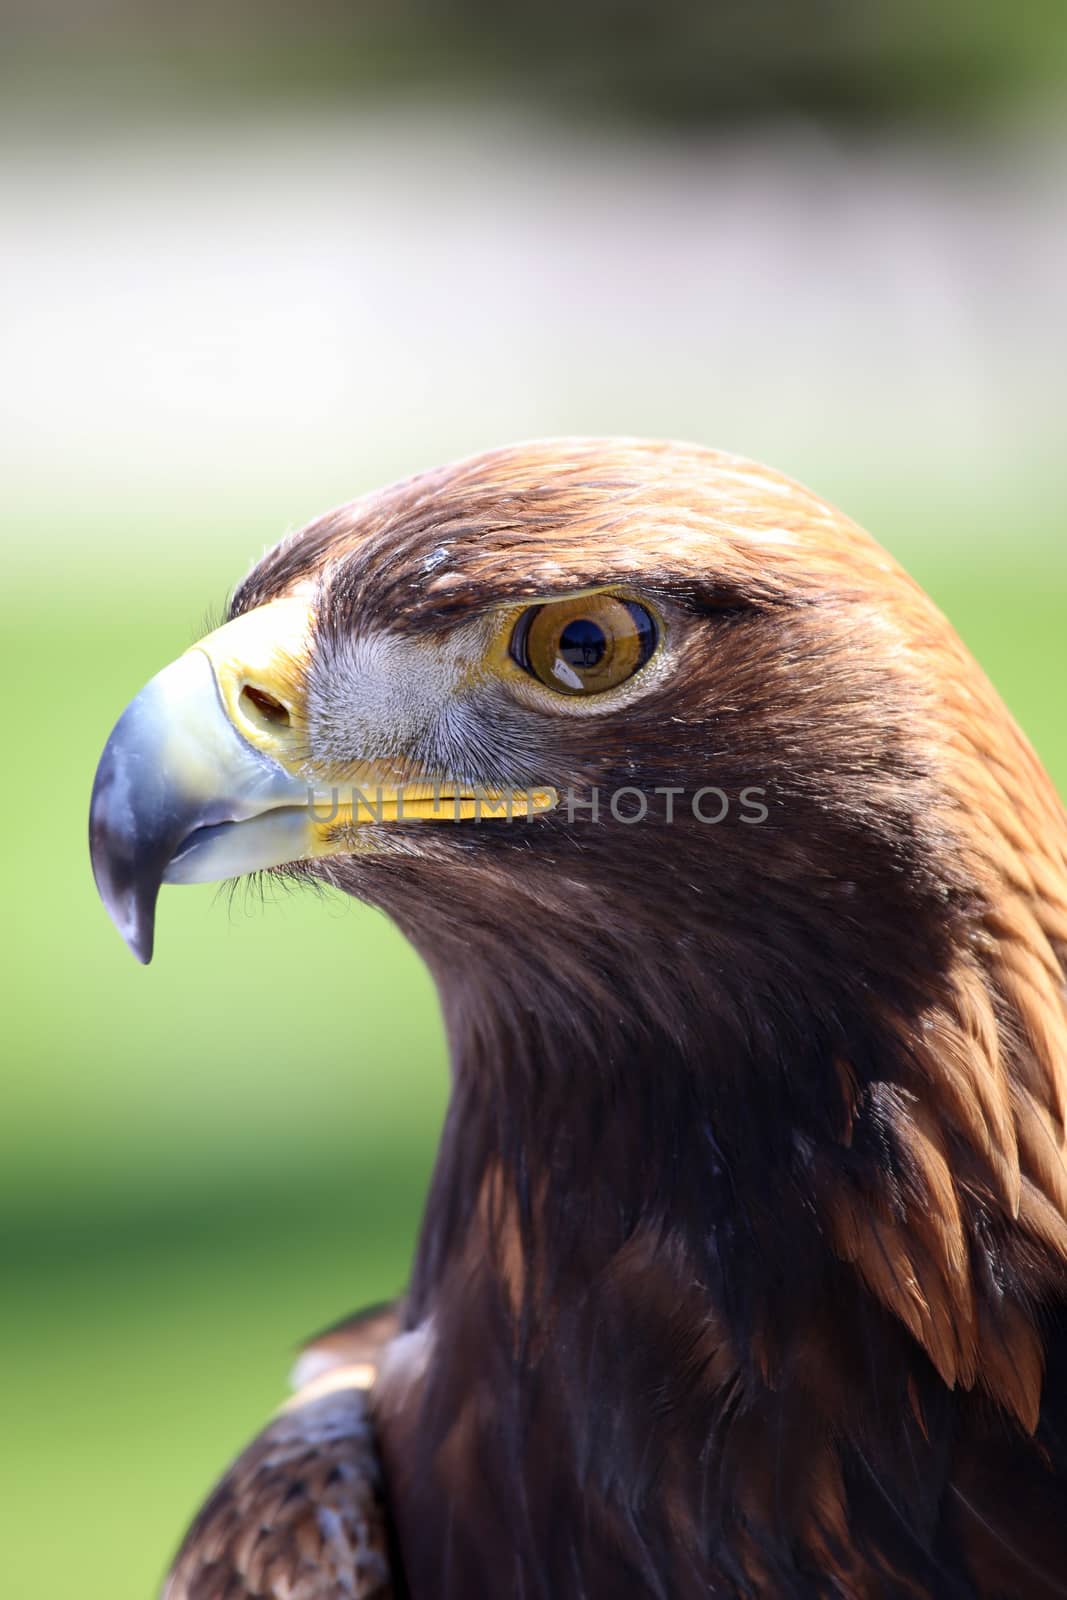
[[585, 645]]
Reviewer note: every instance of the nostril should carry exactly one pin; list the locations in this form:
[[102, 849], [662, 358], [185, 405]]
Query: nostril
[[263, 707]]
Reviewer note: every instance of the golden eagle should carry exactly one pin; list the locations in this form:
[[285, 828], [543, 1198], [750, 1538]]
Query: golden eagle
[[743, 1271]]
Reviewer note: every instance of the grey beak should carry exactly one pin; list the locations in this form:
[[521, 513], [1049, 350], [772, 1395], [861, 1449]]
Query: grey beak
[[174, 779]]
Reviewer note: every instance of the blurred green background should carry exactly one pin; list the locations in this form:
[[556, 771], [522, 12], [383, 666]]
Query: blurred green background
[[255, 265]]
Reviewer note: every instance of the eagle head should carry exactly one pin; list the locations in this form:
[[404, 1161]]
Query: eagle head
[[747, 905]]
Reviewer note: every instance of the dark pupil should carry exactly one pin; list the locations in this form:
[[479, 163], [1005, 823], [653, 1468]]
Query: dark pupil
[[582, 643]]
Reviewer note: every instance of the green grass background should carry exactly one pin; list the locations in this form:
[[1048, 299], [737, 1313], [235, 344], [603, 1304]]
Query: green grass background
[[205, 1160]]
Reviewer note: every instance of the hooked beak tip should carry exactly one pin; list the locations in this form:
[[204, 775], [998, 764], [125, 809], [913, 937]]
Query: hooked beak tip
[[129, 895], [136, 922]]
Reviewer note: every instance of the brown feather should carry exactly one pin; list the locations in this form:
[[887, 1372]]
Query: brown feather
[[299, 1515]]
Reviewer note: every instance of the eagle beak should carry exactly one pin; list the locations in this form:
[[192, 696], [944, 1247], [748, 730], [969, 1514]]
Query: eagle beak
[[206, 775], [199, 778]]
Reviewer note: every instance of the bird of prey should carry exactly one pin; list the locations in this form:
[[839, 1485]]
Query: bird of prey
[[743, 1270]]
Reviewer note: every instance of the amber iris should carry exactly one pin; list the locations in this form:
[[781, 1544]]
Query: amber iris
[[585, 645]]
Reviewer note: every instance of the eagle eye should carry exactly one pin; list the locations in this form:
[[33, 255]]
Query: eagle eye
[[584, 645]]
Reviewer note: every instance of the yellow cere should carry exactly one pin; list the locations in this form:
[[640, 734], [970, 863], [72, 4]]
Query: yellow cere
[[258, 663]]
